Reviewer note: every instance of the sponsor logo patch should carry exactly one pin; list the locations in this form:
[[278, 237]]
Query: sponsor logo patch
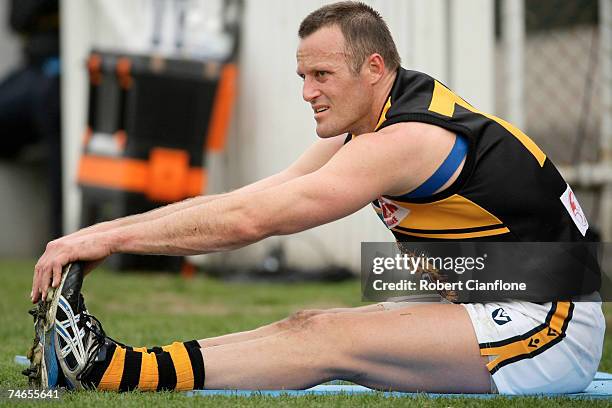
[[570, 202], [392, 213], [500, 316]]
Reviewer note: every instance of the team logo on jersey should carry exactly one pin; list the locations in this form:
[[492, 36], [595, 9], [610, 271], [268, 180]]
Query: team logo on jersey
[[570, 202], [500, 316], [392, 213]]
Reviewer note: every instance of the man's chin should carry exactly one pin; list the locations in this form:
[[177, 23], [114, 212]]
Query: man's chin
[[324, 133]]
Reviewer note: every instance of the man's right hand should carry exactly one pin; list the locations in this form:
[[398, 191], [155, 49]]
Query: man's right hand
[[91, 249]]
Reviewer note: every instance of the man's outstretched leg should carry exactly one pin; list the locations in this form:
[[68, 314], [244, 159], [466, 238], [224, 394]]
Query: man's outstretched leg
[[405, 349], [431, 348], [420, 348]]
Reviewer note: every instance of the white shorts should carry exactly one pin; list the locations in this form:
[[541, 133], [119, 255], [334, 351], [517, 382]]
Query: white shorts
[[539, 348]]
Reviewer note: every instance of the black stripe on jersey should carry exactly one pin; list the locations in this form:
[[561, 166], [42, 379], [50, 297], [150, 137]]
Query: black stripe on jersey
[[131, 370], [166, 370], [155, 350], [530, 333], [432, 119], [451, 231]]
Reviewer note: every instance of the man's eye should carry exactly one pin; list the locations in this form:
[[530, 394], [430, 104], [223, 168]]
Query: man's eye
[[320, 74]]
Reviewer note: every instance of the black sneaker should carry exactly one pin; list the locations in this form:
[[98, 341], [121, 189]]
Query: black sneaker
[[68, 339], [44, 371]]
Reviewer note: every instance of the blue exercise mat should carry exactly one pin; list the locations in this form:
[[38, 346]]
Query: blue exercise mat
[[600, 388]]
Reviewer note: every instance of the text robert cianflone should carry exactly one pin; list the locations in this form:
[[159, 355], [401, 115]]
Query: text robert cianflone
[[413, 264], [471, 284]]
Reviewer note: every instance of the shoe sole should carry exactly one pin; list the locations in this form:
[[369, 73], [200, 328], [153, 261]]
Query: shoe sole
[[44, 325]]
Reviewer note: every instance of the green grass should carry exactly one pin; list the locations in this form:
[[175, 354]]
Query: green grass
[[147, 309]]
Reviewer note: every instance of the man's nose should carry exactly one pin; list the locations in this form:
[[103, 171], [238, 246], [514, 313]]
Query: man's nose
[[310, 91]]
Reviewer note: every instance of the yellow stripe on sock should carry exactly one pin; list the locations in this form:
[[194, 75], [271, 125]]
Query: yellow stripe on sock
[[182, 365], [112, 376], [140, 349], [149, 374]]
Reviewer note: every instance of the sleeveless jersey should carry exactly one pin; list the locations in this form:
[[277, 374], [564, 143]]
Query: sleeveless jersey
[[508, 190]]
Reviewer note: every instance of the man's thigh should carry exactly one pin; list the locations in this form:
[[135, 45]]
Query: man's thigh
[[423, 347]]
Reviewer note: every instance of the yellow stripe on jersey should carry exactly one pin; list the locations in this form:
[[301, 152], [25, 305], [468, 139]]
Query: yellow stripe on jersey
[[182, 365], [443, 101], [454, 212], [383, 115], [456, 235], [532, 343], [112, 376]]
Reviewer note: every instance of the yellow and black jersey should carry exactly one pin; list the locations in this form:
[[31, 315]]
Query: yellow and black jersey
[[508, 189]]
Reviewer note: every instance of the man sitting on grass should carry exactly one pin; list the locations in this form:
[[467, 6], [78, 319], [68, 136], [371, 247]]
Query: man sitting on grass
[[432, 166]]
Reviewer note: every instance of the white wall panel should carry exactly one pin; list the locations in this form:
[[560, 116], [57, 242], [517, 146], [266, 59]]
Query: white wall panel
[[472, 52], [429, 48], [76, 40]]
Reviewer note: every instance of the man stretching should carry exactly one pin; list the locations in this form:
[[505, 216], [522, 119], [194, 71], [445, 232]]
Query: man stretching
[[433, 167]]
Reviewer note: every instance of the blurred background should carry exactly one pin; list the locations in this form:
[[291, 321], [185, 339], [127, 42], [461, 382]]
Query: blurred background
[[111, 107]]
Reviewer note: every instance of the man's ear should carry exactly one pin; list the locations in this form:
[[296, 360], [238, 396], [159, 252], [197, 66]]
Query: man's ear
[[374, 67]]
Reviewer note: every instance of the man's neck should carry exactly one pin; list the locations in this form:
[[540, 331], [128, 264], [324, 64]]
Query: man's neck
[[381, 98], [379, 101]]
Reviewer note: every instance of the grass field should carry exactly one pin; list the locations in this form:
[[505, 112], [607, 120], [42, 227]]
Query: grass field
[[147, 309]]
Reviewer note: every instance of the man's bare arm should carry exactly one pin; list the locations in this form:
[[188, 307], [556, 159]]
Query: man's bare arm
[[357, 174], [273, 180], [311, 160], [393, 160], [388, 162]]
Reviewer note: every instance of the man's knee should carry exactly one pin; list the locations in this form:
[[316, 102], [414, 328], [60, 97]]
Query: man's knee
[[299, 318], [330, 327], [331, 334]]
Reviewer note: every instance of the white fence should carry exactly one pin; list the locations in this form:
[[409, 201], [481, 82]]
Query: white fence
[[557, 85]]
